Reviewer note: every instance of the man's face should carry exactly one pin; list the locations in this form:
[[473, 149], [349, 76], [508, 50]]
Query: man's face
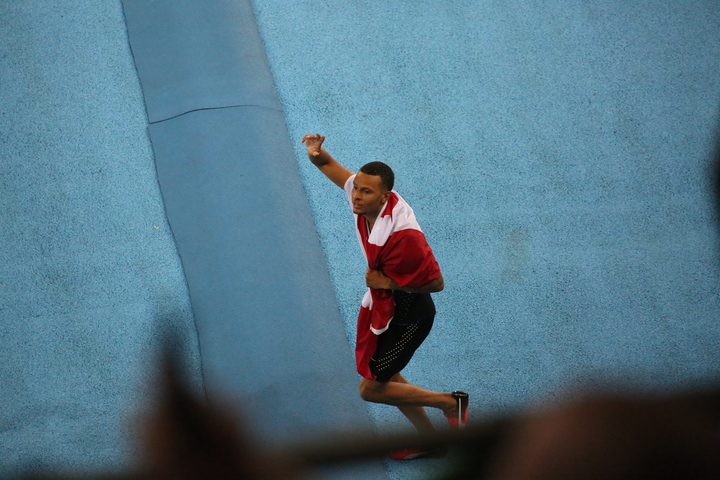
[[368, 195]]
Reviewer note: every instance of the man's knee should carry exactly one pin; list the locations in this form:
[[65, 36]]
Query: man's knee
[[370, 389]]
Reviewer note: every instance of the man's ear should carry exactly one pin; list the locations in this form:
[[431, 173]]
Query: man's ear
[[386, 196]]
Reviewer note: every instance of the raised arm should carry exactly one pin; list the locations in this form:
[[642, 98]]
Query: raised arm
[[332, 169]]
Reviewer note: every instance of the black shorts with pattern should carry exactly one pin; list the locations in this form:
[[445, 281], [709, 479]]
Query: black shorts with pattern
[[411, 324]]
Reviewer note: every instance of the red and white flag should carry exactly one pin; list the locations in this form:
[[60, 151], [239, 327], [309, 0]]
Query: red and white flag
[[397, 247]]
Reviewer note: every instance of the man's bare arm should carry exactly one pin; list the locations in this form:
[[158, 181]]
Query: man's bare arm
[[332, 169], [377, 279]]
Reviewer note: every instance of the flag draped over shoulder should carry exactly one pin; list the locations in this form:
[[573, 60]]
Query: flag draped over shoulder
[[396, 246]]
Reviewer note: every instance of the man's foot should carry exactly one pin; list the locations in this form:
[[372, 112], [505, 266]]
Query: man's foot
[[415, 453], [457, 416]]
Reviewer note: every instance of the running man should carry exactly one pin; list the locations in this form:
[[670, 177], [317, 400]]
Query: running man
[[397, 312]]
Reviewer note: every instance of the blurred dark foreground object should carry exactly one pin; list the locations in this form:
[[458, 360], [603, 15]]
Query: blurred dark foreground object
[[187, 440], [616, 437], [599, 436]]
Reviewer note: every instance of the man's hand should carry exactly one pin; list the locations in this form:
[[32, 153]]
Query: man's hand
[[313, 144], [377, 279], [319, 157]]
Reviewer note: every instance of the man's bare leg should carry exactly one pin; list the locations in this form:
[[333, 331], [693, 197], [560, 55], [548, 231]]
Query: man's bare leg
[[409, 398], [417, 415]]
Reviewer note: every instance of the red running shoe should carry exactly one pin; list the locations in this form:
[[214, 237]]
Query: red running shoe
[[457, 416], [414, 453]]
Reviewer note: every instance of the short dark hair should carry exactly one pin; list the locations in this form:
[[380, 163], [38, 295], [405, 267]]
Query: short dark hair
[[387, 176]]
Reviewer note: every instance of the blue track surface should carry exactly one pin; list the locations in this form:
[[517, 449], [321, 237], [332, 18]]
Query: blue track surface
[[269, 328], [557, 157], [90, 281]]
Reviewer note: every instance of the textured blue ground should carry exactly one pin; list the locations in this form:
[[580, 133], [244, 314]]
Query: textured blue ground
[[556, 154], [90, 281], [272, 340]]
